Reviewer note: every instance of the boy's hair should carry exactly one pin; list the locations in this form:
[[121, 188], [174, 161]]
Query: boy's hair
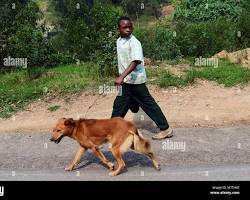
[[123, 18]]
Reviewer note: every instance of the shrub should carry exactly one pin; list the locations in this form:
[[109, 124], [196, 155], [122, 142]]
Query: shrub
[[243, 27], [151, 7], [89, 32], [106, 57], [206, 10], [158, 43], [25, 39], [205, 38]]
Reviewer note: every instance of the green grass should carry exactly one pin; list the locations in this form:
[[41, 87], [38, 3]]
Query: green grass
[[17, 90], [164, 78], [154, 72], [226, 74], [167, 79]]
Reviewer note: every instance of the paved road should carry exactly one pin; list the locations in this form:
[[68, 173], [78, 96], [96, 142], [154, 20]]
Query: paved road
[[192, 154]]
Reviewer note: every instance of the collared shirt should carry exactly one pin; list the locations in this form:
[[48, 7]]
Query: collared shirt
[[129, 49]]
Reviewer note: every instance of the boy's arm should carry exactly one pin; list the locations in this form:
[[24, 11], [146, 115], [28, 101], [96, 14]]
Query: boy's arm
[[130, 68]]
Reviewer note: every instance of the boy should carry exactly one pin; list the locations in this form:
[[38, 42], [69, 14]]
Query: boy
[[132, 78]]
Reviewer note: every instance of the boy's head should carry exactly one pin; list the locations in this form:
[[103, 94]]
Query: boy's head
[[125, 26]]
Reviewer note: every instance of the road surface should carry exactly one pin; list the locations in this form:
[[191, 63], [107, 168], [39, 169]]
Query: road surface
[[192, 154]]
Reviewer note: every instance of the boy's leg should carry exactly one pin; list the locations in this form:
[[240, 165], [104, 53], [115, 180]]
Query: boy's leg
[[147, 103], [122, 102], [134, 106]]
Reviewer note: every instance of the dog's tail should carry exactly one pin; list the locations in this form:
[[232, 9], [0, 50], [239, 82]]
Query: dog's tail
[[140, 143]]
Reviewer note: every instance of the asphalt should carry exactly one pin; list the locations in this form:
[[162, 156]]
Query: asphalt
[[192, 154]]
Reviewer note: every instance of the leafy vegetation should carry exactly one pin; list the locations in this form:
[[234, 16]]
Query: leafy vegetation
[[158, 43], [89, 31], [206, 38], [207, 10], [22, 37]]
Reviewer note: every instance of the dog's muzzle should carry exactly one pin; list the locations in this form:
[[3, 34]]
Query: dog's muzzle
[[56, 140]]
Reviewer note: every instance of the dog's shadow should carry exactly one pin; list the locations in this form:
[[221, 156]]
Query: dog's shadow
[[131, 159]]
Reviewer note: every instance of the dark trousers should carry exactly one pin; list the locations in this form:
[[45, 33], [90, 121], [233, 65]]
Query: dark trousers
[[137, 95]]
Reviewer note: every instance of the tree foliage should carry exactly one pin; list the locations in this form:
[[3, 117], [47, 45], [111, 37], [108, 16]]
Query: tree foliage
[[205, 10]]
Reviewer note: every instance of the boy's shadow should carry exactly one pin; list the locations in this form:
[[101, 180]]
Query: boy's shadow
[[149, 127], [143, 121]]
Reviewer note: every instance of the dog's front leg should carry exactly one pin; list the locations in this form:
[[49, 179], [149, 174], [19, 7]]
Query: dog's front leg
[[77, 159], [100, 155]]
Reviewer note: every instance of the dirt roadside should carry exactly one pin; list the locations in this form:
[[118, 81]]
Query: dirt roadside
[[204, 104]]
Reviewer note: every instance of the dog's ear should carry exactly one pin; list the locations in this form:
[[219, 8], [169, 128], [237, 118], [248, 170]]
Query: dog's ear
[[69, 122]]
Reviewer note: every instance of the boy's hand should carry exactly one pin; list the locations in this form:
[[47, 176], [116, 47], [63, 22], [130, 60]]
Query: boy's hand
[[131, 67], [119, 81]]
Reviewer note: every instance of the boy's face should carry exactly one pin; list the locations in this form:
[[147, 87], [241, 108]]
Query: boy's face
[[125, 28]]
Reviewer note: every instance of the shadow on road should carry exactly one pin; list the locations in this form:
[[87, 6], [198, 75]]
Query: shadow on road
[[131, 159]]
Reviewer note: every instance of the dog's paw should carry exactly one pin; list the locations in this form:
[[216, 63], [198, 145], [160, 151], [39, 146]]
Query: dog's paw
[[69, 168], [111, 166], [158, 167], [114, 173]]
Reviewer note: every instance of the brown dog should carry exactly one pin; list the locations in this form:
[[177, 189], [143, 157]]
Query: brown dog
[[90, 133]]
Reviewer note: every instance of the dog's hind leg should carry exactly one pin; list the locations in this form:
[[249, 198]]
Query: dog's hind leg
[[155, 162], [77, 159], [146, 149], [100, 155], [142, 145]]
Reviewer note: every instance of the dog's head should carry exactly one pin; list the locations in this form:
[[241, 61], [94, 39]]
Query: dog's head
[[64, 127]]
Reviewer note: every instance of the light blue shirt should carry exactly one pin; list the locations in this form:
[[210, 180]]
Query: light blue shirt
[[128, 50]]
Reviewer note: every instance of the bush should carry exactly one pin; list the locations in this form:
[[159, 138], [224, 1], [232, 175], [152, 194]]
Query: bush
[[59, 58], [205, 30], [151, 7], [106, 57], [206, 38], [89, 32], [25, 39], [158, 43], [243, 27], [206, 10], [104, 54]]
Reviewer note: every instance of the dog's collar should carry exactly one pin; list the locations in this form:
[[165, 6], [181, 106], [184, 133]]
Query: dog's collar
[[76, 127]]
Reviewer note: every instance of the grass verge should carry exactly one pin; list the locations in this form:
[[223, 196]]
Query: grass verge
[[17, 90], [226, 73]]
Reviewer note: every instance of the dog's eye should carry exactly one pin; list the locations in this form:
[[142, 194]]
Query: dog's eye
[[58, 130]]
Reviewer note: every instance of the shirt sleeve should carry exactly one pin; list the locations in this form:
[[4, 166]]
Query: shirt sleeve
[[136, 51]]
